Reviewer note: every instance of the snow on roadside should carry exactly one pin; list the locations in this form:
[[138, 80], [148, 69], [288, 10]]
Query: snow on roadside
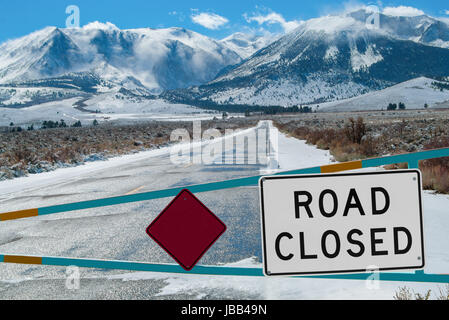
[[277, 288], [436, 237], [288, 153], [297, 154], [65, 174]]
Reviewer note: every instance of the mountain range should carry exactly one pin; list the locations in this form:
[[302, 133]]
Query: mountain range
[[326, 59], [333, 58], [156, 58]]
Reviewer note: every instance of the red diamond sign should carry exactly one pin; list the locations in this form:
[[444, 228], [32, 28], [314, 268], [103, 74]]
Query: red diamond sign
[[186, 229]]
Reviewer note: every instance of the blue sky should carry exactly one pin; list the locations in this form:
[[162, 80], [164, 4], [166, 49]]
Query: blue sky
[[217, 19]]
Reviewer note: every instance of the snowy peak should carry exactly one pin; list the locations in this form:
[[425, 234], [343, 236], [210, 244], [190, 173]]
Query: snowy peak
[[60, 53], [42, 53], [331, 25], [420, 28]]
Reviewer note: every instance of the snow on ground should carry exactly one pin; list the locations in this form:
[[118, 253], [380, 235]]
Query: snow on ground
[[359, 61], [111, 108], [414, 93], [295, 154], [436, 238], [16, 95], [292, 154], [279, 288], [36, 114]]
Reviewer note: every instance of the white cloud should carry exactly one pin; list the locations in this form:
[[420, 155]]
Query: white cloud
[[403, 11], [96, 25], [209, 20], [273, 18], [447, 12]]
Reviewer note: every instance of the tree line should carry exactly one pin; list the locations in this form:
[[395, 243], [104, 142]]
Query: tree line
[[50, 124]]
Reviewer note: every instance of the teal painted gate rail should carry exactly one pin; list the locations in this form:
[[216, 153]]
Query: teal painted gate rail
[[411, 158]]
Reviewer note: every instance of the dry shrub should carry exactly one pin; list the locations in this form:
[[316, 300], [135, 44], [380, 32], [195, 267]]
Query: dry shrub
[[405, 293], [436, 171], [355, 130], [369, 147], [397, 166], [436, 178]]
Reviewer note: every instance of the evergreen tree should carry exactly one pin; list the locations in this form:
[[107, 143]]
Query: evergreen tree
[[77, 124], [392, 106]]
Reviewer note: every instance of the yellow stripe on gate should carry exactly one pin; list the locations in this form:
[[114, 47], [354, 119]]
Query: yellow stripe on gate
[[22, 260], [18, 214], [345, 166]]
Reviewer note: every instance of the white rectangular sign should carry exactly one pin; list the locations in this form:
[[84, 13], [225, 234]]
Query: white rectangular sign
[[342, 223]]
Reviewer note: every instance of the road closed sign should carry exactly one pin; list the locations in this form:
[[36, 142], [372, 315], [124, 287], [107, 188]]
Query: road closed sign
[[342, 223]]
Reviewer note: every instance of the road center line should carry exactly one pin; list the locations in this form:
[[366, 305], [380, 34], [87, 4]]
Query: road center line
[[134, 191]]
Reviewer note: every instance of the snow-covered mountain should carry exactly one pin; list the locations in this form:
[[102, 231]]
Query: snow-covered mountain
[[422, 28], [333, 58], [155, 59], [326, 59]]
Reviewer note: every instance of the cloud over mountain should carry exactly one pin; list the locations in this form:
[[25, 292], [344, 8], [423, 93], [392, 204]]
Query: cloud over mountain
[[403, 11], [209, 20], [273, 18]]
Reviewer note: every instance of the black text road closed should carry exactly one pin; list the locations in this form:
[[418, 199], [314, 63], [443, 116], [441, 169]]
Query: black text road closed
[[341, 223]]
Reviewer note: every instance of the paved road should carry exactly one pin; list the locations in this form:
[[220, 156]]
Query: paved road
[[118, 232]]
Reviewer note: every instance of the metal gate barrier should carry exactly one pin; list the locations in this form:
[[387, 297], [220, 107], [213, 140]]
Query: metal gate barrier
[[412, 159]]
